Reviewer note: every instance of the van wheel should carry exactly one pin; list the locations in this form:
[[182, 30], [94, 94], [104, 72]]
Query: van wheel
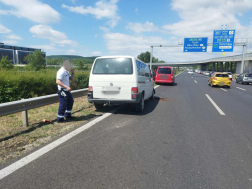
[[98, 106], [140, 105], [152, 96], [211, 84]]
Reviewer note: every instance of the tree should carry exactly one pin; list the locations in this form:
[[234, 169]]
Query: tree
[[5, 63], [35, 61], [145, 57], [80, 65]]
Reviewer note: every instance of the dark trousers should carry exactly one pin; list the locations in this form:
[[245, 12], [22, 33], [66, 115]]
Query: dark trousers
[[65, 105]]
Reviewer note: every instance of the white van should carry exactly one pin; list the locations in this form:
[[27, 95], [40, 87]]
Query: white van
[[120, 80]]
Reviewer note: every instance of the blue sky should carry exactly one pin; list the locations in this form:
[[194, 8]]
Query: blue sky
[[121, 27]]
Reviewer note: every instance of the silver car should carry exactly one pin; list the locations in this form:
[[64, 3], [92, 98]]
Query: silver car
[[244, 78]]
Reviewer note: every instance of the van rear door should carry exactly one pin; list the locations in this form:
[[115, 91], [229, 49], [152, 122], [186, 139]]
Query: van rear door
[[113, 78]]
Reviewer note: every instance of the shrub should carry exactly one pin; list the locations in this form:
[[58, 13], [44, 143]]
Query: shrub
[[6, 64], [35, 61], [17, 85]]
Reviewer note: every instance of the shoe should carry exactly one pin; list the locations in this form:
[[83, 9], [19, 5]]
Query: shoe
[[70, 118], [62, 121]]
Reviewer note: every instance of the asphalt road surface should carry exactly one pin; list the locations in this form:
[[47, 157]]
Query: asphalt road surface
[[190, 136]]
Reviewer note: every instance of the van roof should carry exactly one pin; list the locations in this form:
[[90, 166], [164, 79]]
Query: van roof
[[118, 56]]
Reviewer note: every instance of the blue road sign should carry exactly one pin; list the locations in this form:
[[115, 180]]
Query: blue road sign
[[196, 44], [223, 40]]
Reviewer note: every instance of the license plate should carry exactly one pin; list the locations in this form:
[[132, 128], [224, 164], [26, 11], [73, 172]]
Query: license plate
[[163, 77]]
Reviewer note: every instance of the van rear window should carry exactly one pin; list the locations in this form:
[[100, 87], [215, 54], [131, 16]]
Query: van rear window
[[164, 70], [221, 75], [113, 66]]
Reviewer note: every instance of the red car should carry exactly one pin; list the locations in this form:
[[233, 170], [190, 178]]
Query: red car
[[201, 72], [164, 74]]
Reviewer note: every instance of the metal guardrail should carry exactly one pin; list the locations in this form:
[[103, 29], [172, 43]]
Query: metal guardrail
[[26, 104]]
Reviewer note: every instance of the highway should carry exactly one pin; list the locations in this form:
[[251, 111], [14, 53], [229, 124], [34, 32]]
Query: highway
[[190, 136]]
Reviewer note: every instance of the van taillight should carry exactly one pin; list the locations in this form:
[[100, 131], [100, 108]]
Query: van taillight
[[134, 90], [229, 79], [90, 89], [214, 78]]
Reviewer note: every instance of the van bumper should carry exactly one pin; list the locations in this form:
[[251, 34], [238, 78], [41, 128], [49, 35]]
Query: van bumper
[[113, 101]]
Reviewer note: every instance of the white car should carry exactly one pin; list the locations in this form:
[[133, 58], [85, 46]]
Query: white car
[[120, 80], [230, 75], [207, 73], [190, 72]]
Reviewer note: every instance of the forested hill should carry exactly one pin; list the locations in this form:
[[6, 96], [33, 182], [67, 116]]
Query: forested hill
[[58, 59]]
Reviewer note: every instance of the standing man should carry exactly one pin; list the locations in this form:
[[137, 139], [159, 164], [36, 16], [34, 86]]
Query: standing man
[[64, 91]]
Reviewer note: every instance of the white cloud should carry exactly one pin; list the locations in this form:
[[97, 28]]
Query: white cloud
[[136, 10], [106, 30], [56, 37], [3, 29], [200, 18], [97, 53], [45, 47], [71, 52], [13, 37], [95, 35], [103, 9], [139, 28], [33, 10], [118, 43], [73, 1], [10, 42]]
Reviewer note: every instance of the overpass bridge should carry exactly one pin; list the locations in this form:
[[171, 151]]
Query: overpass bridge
[[232, 64]]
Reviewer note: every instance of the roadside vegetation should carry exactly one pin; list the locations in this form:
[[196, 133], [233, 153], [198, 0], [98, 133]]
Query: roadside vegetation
[[16, 140]]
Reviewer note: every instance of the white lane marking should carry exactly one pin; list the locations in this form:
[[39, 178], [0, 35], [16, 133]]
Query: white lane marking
[[195, 81], [241, 88], [223, 89], [24, 161], [215, 105]]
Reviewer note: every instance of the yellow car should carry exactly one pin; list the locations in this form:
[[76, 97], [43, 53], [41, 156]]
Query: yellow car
[[220, 79]]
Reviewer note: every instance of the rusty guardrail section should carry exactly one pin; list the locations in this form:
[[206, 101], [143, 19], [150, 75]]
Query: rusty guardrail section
[[26, 104]]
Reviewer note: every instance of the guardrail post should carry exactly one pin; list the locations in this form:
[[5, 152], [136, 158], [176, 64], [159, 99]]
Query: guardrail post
[[25, 118]]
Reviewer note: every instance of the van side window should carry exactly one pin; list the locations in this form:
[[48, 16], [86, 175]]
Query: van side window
[[140, 68]]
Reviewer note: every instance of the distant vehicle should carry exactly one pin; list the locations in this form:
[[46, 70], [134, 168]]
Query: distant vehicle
[[165, 74], [244, 78], [220, 79], [230, 75], [201, 72], [120, 80], [190, 72], [207, 73]]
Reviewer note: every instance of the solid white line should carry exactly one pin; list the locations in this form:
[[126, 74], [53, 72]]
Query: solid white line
[[195, 81], [215, 105], [24, 161], [223, 89], [241, 88]]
